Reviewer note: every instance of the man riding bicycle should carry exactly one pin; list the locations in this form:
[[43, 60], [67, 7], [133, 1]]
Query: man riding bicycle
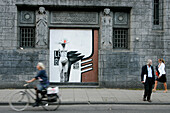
[[43, 79]]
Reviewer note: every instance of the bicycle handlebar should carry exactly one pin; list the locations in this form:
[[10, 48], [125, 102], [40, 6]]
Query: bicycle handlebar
[[26, 85]]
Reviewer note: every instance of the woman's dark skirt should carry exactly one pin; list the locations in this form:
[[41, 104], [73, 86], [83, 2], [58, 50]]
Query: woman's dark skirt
[[162, 78]]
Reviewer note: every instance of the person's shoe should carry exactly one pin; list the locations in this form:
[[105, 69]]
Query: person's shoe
[[36, 104], [144, 99], [165, 91], [149, 100], [154, 90]]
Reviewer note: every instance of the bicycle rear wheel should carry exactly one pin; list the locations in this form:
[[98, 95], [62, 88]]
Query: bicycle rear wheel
[[51, 106], [19, 101]]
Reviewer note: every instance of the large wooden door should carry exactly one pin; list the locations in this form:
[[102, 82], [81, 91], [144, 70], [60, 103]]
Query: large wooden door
[[92, 62]]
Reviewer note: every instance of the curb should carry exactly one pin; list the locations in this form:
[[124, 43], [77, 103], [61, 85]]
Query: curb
[[99, 103], [123, 103]]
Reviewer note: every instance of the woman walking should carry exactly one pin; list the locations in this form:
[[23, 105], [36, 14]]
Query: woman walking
[[161, 75]]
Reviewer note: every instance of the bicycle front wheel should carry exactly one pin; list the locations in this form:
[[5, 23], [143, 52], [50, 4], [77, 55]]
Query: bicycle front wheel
[[51, 106], [19, 101]]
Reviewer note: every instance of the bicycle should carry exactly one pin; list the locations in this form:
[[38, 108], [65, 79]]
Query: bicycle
[[21, 100]]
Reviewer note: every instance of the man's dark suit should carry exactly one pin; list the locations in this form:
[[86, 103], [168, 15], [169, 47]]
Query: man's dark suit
[[149, 81]]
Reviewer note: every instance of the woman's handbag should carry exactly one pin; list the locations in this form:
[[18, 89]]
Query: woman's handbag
[[157, 74]]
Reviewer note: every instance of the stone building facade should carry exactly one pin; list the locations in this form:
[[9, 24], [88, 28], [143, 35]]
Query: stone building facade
[[128, 32]]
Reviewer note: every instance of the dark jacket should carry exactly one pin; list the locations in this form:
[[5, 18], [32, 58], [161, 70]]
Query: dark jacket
[[145, 71], [42, 76]]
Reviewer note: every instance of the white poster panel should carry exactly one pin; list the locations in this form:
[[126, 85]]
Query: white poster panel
[[66, 47]]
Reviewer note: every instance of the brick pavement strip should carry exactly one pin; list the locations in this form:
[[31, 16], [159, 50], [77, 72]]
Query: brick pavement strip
[[99, 95]]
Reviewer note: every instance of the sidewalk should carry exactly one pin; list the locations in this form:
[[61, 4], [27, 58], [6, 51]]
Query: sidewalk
[[98, 96]]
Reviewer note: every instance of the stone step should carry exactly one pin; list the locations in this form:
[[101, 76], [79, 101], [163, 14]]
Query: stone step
[[76, 85]]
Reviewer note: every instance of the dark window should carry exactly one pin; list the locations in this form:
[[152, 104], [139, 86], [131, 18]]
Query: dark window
[[26, 28], [156, 12], [27, 37], [120, 38]]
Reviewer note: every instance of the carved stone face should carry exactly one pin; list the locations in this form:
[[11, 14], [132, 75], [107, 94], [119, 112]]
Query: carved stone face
[[41, 10], [106, 11]]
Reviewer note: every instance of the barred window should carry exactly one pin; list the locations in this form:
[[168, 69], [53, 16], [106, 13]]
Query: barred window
[[120, 38], [27, 37], [156, 12]]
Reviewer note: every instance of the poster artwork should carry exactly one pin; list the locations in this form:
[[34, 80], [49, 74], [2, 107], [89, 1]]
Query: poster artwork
[[76, 65], [67, 58], [56, 57], [67, 49]]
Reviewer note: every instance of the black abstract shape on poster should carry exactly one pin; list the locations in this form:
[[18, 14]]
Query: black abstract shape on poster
[[73, 57]]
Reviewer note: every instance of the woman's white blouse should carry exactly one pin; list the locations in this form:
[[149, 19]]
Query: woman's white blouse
[[161, 69]]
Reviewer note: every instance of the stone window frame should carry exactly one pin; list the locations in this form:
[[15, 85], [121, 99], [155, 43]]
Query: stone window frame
[[123, 27], [27, 25], [159, 25]]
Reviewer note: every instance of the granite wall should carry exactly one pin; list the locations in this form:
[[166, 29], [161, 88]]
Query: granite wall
[[117, 68]]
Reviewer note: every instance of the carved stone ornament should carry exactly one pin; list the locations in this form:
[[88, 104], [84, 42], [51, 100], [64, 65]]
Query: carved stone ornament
[[106, 30], [107, 12], [74, 17], [27, 17], [41, 27], [121, 18]]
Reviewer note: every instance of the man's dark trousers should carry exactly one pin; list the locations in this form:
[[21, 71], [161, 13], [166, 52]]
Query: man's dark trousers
[[148, 88]]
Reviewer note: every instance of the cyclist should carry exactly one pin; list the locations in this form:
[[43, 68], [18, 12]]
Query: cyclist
[[44, 83]]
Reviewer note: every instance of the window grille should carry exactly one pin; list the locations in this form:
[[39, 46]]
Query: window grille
[[156, 12], [120, 38], [27, 37]]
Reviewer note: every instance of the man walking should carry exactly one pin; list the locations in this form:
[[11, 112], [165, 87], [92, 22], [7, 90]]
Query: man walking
[[148, 79]]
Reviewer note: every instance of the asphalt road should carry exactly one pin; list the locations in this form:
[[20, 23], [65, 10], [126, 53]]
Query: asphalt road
[[96, 109]]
